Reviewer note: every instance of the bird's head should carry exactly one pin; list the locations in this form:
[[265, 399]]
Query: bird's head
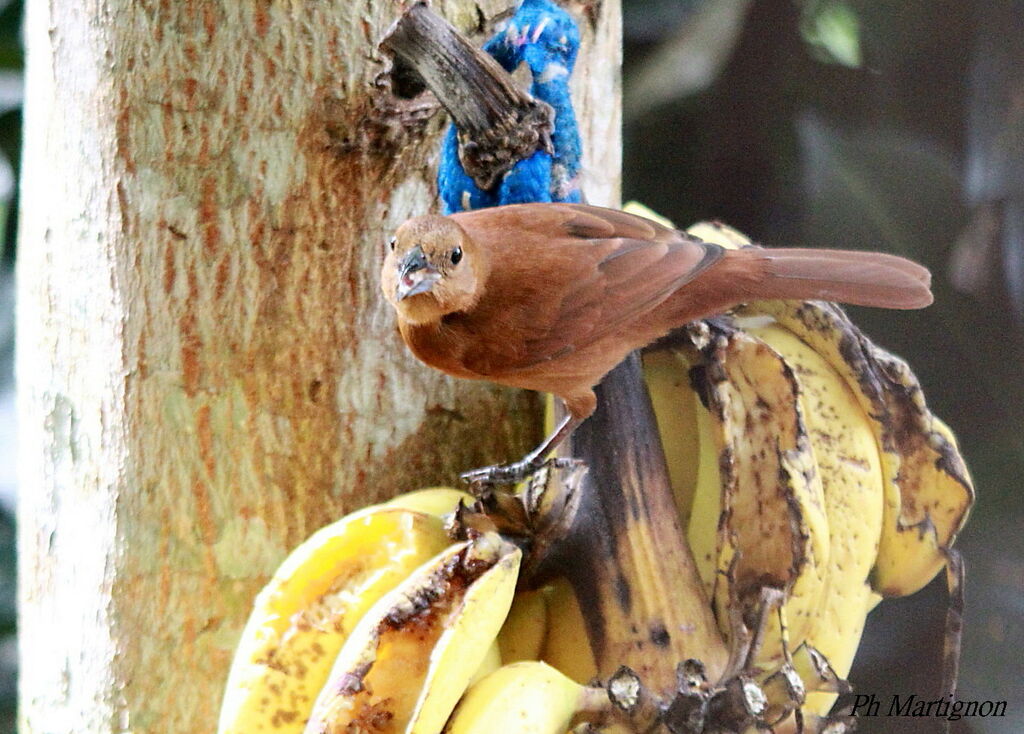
[[432, 269]]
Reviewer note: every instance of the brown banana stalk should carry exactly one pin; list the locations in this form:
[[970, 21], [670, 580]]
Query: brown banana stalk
[[626, 555]]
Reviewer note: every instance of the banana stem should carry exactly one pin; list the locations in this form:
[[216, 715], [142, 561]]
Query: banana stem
[[499, 124], [954, 626], [593, 701], [626, 555]]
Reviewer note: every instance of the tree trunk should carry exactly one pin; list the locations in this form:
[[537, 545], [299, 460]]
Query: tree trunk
[[207, 371]]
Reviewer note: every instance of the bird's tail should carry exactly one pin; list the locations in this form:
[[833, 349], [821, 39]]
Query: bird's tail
[[846, 276]]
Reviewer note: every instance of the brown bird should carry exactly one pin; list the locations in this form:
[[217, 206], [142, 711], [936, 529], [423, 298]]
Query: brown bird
[[551, 297]]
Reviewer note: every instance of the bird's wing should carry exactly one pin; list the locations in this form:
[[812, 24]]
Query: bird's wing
[[564, 276]]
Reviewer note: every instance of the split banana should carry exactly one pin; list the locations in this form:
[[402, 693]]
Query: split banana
[[927, 489], [381, 622], [411, 657], [306, 613]]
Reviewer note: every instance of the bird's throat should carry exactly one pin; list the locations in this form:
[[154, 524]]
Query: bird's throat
[[421, 309]]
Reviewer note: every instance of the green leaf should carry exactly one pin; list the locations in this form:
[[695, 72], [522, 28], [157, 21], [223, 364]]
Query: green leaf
[[832, 28]]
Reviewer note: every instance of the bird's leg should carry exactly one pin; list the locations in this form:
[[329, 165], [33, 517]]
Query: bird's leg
[[519, 470]]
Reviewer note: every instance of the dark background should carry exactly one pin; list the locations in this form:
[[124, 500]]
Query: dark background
[[916, 147], [895, 125]]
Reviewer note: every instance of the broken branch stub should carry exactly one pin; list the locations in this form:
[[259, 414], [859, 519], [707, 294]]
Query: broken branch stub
[[499, 124]]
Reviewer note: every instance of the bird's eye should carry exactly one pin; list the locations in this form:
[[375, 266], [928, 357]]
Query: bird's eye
[[456, 255], [391, 243]]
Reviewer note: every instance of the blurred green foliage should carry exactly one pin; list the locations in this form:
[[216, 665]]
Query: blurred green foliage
[[832, 29]]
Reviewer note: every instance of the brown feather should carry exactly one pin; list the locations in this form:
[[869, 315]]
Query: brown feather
[[860, 278]]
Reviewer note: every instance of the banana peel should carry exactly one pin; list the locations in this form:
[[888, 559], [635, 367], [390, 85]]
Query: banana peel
[[307, 611], [526, 696], [411, 657], [522, 635], [566, 643], [928, 490], [439, 501]]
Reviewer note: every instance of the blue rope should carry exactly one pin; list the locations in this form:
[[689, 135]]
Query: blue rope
[[546, 38]]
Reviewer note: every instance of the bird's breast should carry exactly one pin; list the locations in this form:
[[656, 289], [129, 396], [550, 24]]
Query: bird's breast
[[437, 346]]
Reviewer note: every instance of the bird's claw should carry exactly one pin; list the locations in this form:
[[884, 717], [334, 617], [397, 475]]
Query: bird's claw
[[498, 474], [517, 471]]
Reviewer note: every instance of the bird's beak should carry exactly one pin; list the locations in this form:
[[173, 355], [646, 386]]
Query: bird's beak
[[415, 274]]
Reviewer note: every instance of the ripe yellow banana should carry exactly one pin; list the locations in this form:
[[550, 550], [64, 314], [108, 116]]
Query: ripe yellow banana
[[676, 408], [566, 645], [411, 656], [303, 616], [768, 492], [928, 491], [847, 461], [527, 697], [439, 501], [490, 663], [522, 635], [757, 484]]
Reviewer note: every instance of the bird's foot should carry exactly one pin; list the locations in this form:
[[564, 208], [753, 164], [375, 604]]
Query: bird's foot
[[517, 471]]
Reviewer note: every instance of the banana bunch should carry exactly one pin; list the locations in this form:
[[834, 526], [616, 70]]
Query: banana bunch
[[382, 622], [812, 480], [808, 478]]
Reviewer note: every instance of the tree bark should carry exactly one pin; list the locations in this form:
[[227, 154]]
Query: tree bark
[[207, 371]]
